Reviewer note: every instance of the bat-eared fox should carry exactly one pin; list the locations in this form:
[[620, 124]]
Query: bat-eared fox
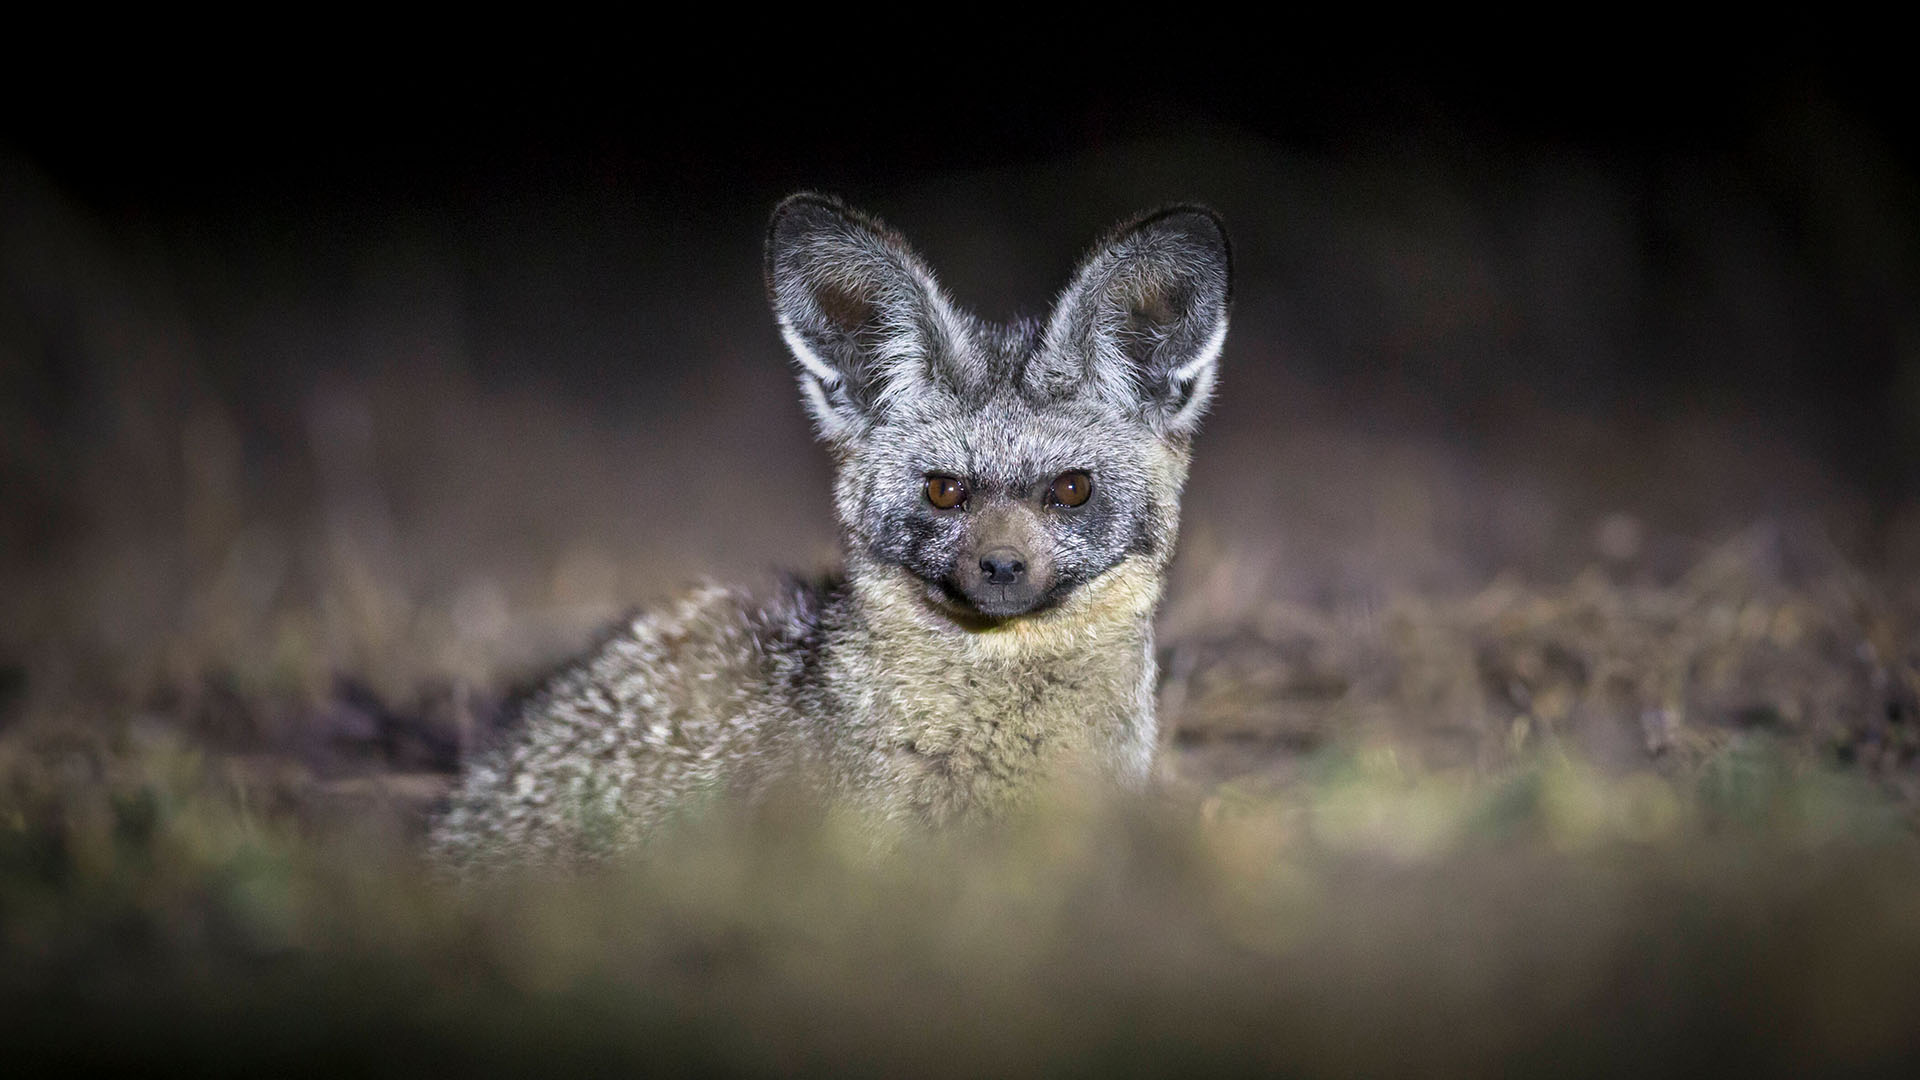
[[1008, 497]]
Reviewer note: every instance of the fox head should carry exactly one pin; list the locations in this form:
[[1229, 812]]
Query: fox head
[[998, 468]]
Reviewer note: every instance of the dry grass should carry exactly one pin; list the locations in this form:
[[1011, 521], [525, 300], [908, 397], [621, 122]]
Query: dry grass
[[1770, 632], [1369, 915]]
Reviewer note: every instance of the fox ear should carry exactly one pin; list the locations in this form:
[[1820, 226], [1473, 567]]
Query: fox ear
[[863, 316], [1144, 319]]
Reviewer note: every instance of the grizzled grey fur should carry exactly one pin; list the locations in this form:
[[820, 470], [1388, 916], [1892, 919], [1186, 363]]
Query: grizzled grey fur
[[968, 655]]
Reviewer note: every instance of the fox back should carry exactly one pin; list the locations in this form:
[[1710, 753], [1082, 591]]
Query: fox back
[[1008, 500]]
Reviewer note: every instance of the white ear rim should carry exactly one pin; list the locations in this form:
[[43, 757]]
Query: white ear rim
[[817, 380], [1205, 358], [818, 368], [1193, 382]]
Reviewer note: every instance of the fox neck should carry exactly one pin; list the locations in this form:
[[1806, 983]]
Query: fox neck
[[964, 719]]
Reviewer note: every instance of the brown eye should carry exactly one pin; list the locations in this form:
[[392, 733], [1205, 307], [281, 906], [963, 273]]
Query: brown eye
[[945, 493], [1070, 489]]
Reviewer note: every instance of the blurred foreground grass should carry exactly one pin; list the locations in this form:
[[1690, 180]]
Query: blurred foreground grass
[[1755, 911]]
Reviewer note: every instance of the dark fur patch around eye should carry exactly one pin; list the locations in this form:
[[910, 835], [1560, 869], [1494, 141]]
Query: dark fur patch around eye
[[921, 543], [1146, 533]]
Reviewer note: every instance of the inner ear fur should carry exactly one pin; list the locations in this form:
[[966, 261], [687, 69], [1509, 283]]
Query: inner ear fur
[[847, 309]]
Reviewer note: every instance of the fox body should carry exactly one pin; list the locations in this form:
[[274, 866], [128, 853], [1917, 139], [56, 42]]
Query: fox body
[[1008, 499]]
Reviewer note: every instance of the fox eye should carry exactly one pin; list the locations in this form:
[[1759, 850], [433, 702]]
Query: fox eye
[[1070, 489], [945, 493]]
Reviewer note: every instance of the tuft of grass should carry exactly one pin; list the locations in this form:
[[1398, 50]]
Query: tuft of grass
[[1371, 913]]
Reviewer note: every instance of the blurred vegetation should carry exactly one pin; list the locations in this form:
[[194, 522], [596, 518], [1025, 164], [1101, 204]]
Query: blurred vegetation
[[158, 903]]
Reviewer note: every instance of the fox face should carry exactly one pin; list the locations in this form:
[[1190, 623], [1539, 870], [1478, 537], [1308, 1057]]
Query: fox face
[[1001, 467]]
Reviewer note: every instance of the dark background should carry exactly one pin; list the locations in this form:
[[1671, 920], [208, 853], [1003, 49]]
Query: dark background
[[1790, 158], [478, 310]]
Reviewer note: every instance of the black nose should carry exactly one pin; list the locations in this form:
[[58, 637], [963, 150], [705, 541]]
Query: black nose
[[1004, 566]]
